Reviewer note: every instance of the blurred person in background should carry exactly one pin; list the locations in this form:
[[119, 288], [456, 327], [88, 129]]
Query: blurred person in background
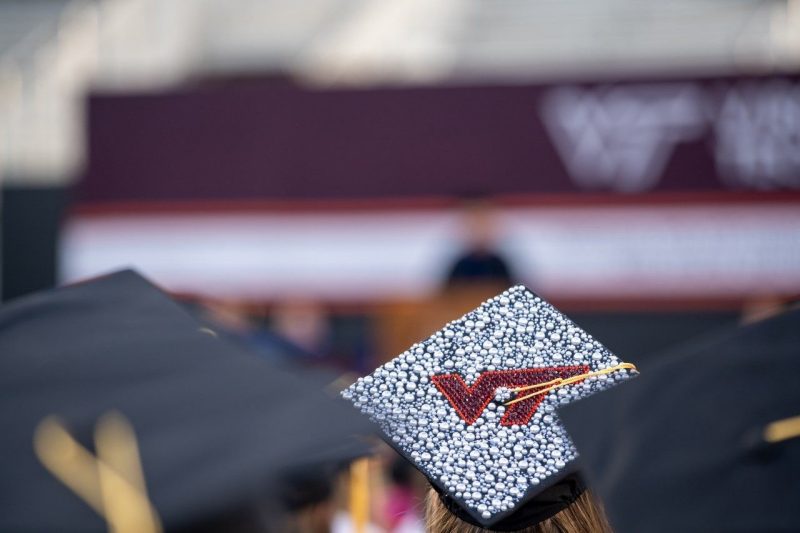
[[479, 262], [309, 498], [303, 323], [402, 501], [235, 320]]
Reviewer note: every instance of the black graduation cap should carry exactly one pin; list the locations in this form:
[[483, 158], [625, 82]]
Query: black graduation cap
[[473, 408], [110, 375], [707, 440]]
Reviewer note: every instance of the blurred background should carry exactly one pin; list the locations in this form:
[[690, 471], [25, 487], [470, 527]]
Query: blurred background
[[334, 179]]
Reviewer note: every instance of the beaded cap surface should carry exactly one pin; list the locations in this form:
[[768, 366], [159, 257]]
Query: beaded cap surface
[[443, 401]]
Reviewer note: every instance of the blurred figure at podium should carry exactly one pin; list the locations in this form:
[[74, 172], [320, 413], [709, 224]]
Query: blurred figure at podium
[[479, 262]]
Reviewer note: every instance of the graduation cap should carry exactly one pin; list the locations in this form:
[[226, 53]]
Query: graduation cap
[[115, 398], [473, 408], [708, 439]]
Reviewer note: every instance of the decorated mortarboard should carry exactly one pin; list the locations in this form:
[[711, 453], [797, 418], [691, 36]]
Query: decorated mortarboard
[[707, 440], [474, 408]]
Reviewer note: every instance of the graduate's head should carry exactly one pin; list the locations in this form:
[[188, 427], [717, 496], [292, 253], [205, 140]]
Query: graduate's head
[[473, 407], [584, 515]]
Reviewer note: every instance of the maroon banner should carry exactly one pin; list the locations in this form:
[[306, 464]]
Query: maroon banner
[[262, 140]]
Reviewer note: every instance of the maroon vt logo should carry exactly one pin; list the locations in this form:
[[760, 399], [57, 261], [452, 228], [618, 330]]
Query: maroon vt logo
[[470, 402]]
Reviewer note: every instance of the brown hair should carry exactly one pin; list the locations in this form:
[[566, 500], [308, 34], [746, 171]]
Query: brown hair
[[584, 515]]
